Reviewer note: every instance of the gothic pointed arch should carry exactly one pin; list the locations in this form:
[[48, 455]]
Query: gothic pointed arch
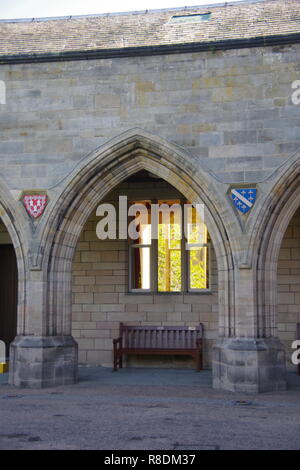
[[277, 210], [95, 176], [13, 219]]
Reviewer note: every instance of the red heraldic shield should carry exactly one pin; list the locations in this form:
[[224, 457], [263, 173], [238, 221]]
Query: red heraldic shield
[[35, 205]]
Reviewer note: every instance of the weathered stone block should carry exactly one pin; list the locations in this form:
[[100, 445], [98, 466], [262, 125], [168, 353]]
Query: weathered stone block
[[249, 365], [38, 362]]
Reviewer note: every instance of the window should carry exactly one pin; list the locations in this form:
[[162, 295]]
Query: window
[[168, 254], [198, 250], [193, 18], [169, 247], [140, 256]]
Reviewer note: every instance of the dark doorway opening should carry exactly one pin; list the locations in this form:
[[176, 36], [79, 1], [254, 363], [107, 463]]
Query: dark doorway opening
[[8, 295]]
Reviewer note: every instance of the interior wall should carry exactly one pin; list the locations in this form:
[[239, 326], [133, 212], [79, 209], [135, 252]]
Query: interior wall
[[101, 299], [288, 285], [8, 289], [4, 235]]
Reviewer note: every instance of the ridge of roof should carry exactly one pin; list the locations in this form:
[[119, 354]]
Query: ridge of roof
[[127, 13]]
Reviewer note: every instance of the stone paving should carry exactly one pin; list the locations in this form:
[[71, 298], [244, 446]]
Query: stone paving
[[148, 409]]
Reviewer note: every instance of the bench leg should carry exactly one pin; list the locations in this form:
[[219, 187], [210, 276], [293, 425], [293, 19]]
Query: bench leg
[[199, 362], [118, 360], [115, 360]]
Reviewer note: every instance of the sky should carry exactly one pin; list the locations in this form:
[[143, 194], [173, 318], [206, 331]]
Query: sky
[[41, 8]]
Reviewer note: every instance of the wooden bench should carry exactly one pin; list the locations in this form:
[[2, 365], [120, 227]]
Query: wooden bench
[[159, 340]]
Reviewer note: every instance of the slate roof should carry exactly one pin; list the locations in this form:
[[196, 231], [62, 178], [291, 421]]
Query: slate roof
[[242, 20]]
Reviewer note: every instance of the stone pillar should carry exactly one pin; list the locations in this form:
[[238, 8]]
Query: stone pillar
[[43, 361], [249, 365], [40, 355], [246, 362]]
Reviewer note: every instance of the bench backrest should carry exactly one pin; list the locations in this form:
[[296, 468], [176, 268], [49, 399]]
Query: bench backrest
[[160, 337]]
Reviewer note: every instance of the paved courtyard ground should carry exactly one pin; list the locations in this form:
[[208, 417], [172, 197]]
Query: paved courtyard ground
[[148, 409]]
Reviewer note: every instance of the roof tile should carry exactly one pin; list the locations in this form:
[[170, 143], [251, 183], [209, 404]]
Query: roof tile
[[140, 29]]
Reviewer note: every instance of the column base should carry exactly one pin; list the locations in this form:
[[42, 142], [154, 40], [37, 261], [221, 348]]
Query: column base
[[249, 365], [43, 361]]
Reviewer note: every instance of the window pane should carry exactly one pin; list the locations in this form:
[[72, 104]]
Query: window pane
[[145, 234], [197, 231], [140, 222], [199, 266], [169, 258], [140, 268]]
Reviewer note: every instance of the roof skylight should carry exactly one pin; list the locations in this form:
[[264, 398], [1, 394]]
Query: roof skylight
[[194, 18]]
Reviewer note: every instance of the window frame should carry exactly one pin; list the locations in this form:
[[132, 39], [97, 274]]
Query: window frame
[[132, 247], [185, 264]]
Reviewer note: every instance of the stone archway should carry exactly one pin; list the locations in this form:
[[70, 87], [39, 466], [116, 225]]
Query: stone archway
[[288, 288], [280, 206], [277, 210], [96, 175], [108, 275], [8, 289], [107, 168], [15, 227]]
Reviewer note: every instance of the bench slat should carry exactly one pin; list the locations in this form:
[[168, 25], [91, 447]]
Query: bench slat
[[160, 338], [144, 339]]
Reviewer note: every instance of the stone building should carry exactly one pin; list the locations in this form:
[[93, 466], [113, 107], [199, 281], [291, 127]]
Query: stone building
[[170, 105]]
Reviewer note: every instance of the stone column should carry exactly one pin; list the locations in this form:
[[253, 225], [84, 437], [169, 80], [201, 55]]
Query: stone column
[[37, 358], [243, 361]]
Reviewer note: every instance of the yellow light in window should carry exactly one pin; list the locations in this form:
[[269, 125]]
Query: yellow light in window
[[169, 258], [199, 278]]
